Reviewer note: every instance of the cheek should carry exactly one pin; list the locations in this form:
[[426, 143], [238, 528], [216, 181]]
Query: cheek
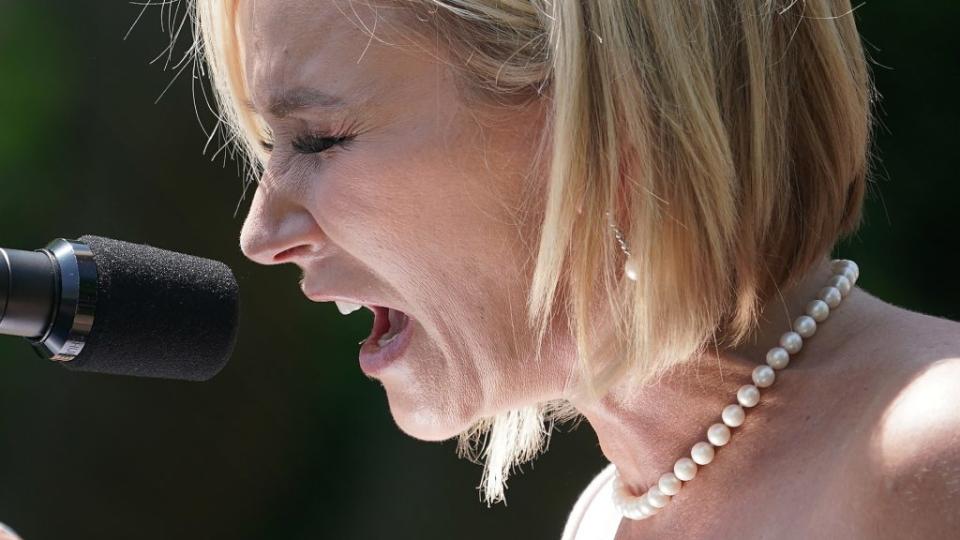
[[402, 205], [428, 217]]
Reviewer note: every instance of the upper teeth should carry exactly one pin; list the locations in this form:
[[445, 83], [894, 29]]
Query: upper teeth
[[347, 308]]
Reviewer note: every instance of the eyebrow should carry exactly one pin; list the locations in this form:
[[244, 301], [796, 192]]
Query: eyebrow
[[296, 99]]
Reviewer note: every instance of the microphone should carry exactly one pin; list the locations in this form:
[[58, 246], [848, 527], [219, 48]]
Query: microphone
[[107, 306]]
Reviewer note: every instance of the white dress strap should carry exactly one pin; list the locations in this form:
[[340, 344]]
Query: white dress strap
[[594, 517]]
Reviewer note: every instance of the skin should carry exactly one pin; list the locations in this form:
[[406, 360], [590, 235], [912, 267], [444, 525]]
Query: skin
[[425, 198], [419, 202], [857, 437]]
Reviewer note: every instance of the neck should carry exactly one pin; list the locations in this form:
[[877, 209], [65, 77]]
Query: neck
[[644, 431]]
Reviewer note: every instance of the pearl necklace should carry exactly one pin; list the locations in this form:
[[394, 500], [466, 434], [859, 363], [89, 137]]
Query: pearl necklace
[[845, 274]]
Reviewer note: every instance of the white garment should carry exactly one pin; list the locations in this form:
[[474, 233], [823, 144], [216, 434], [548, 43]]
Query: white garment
[[593, 516], [6, 533]]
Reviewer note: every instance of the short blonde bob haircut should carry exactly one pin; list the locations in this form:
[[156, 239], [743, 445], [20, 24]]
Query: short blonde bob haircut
[[729, 140]]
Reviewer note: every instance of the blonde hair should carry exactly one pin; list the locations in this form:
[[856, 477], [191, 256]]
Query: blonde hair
[[729, 140]]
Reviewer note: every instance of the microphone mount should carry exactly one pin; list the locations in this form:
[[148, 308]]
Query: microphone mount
[[76, 274], [49, 297]]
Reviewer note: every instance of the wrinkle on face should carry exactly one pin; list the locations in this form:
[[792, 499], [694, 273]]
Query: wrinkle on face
[[418, 211]]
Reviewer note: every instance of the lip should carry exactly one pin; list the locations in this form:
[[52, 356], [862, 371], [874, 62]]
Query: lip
[[374, 359]]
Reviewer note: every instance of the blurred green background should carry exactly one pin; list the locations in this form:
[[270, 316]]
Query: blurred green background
[[291, 440]]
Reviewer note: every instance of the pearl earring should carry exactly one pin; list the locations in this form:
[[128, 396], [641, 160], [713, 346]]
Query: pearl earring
[[630, 268]]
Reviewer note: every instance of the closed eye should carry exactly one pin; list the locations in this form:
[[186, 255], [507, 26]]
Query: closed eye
[[314, 144], [311, 144]]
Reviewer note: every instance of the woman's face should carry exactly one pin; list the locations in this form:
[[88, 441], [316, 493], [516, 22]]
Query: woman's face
[[416, 210]]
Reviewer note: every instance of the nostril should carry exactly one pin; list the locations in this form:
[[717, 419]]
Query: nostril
[[292, 253]]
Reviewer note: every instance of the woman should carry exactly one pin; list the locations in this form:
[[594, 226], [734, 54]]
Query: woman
[[615, 209]]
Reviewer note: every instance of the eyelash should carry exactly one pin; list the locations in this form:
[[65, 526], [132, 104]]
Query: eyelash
[[313, 143]]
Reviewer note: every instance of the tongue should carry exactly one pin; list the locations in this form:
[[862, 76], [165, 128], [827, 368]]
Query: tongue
[[396, 323], [381, 323]]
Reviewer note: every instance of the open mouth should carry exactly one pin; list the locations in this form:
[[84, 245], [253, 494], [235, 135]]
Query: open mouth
[[387, 324]]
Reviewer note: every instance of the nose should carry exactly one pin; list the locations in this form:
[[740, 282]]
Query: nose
[[278, 230]]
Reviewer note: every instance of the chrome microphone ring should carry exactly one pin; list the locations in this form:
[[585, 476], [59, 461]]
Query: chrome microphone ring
[[73, 316]]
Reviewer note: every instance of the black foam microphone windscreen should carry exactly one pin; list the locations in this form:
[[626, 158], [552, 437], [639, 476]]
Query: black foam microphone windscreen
[[158, 313]]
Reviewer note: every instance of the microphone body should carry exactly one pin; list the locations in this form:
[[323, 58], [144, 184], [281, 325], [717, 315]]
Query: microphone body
[[107, 306], [27, 295]]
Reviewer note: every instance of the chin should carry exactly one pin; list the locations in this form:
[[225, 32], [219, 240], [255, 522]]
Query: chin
[[431, 421]]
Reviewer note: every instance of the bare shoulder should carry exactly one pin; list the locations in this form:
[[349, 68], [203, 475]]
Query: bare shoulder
[[915, 441]]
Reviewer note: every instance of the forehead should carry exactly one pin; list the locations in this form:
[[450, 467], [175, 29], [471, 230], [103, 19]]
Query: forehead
[[288, 44]]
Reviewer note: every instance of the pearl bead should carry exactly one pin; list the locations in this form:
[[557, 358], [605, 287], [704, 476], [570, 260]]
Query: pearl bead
[[748, 395], [805, 326], [657, 498], [685, 469], [841, 283], [702, 453], [852, 266], [631, 269], [625, 502], [819, 310], [850, 275], [632, 510], [791, 341], [718, 434], [733, 415], [646, 507], [778, 357], [847, 268], [831, 295], [763, 376], [669, 484]]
